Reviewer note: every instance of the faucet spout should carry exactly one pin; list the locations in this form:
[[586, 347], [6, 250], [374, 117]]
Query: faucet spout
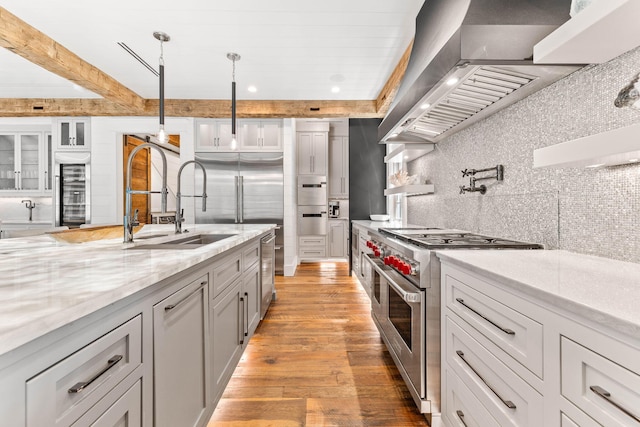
[[130, 221], [29, 205], [179, 211]]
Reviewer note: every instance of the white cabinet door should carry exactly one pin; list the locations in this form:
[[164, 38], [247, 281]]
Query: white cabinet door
[[339, 167], [73, 133], [312, 153], [181, 355], [337, 239], [260, 135], [228, 332], [22, 167], [214, 135], [252, 299]]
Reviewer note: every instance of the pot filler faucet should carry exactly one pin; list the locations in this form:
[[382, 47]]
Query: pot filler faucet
[[131, 221], [29, 205], [179, 211]]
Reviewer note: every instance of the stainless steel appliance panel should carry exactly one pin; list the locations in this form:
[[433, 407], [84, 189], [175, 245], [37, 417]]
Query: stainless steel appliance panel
[[312, 220], [267, 262], [262, 188], [222, 178], [312, 190]]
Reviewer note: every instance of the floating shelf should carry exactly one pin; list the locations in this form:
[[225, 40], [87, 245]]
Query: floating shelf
[[615, 147], [408, 152], [410, 190], [602, 31]]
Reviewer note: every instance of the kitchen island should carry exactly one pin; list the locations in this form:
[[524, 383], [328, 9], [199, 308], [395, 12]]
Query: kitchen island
[[105, 330]]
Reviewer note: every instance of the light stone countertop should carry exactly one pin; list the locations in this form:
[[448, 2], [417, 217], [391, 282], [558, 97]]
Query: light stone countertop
[[46, 284], [603, 290], [375, 225]]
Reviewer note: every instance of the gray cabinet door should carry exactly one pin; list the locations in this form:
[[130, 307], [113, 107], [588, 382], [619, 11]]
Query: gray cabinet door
[[337, 239], [253, 299], [227, 314], [181, 356]]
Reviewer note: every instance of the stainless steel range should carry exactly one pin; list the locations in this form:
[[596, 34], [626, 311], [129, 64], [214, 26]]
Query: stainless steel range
[[405, 300]]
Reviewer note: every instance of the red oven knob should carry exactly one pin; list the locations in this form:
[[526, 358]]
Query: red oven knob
[[369, 243], [387, 260], [406, 268], [396, 262], [376, 252]]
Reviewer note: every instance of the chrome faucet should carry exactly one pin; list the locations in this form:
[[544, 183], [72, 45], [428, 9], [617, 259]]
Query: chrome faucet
[[179, 211], [29, 205], [130, 221]]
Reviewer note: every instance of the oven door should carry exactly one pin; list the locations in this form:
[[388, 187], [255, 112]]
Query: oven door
[[373, 283], [404, 327]]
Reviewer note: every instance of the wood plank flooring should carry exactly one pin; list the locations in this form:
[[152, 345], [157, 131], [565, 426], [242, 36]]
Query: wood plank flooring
[[317, 360]]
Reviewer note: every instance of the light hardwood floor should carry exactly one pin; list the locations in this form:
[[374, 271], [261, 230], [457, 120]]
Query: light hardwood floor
[[317, 360]]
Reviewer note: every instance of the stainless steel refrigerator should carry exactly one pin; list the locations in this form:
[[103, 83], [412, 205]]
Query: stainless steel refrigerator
[[72, 198], [244, 188]]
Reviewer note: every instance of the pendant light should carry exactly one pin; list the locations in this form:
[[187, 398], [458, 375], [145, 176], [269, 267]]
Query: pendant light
[[163, 37], [233, 57]]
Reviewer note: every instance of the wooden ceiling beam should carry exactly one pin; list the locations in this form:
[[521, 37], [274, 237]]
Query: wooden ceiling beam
[[390, 89], [30, 107], [35, 46]]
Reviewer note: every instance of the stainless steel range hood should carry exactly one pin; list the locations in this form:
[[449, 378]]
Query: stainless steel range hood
[[471, 58]]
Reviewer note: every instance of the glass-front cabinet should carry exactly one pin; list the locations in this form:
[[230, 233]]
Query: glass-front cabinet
[[73, 133], [21, 163]]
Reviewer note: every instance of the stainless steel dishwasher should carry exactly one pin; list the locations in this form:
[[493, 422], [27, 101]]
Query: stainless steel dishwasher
[[267, 266]]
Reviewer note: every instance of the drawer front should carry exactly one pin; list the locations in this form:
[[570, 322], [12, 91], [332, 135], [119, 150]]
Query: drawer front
[[603, 389], [61, 394], [567, 422], [510, 400], [312, 252], [461, 407], [312, 241], [125, 412], [516, 334], [225, 272], [250, 255]]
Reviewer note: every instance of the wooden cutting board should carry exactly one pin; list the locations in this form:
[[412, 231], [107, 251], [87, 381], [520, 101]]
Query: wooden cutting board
[[89, 234]]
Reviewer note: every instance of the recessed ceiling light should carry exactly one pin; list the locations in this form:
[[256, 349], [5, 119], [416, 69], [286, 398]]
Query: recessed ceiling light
[[252, 89], [335, 89], [425, 106], [452, 81]]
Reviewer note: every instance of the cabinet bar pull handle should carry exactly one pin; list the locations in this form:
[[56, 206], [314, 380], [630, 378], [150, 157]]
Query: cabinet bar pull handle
[[246, 315], [509, 404], [242, 320], [82, 385], [172, 306], [607, 396], [460, 415], [505, 330]]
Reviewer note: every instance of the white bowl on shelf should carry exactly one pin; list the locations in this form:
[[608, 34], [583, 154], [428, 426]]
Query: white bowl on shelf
[[379, 217]]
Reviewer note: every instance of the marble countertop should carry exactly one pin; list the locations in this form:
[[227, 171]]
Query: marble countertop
[[375, 225], [604, 290], [46, 284]]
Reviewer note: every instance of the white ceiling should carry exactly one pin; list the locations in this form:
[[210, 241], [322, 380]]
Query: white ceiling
[[290, 49]]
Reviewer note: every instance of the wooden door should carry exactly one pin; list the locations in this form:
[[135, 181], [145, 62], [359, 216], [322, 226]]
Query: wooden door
[[140, 178]]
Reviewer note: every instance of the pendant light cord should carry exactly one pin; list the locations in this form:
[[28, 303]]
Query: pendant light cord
[[161, 82]]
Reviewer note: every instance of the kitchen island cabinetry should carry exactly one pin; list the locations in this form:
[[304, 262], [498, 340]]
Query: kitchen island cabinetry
[[135, 347], [181, 355], [530, 339]]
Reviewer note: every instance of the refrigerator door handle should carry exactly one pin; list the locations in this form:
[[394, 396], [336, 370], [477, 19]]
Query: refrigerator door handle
[[241, 210], [56, 203], [237, 185]]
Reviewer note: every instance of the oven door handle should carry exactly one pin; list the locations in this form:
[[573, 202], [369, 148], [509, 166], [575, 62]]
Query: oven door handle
[[406, 291]]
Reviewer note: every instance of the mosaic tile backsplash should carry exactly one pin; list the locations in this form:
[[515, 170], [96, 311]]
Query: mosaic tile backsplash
[[590, 211]]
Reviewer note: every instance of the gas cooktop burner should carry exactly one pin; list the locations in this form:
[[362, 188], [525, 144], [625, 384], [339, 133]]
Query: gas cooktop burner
[[432, 239]]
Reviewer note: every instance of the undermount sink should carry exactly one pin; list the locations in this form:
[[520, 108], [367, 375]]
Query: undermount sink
[[190, 242]]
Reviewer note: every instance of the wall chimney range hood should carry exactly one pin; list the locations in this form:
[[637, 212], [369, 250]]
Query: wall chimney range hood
[[471, 58]]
